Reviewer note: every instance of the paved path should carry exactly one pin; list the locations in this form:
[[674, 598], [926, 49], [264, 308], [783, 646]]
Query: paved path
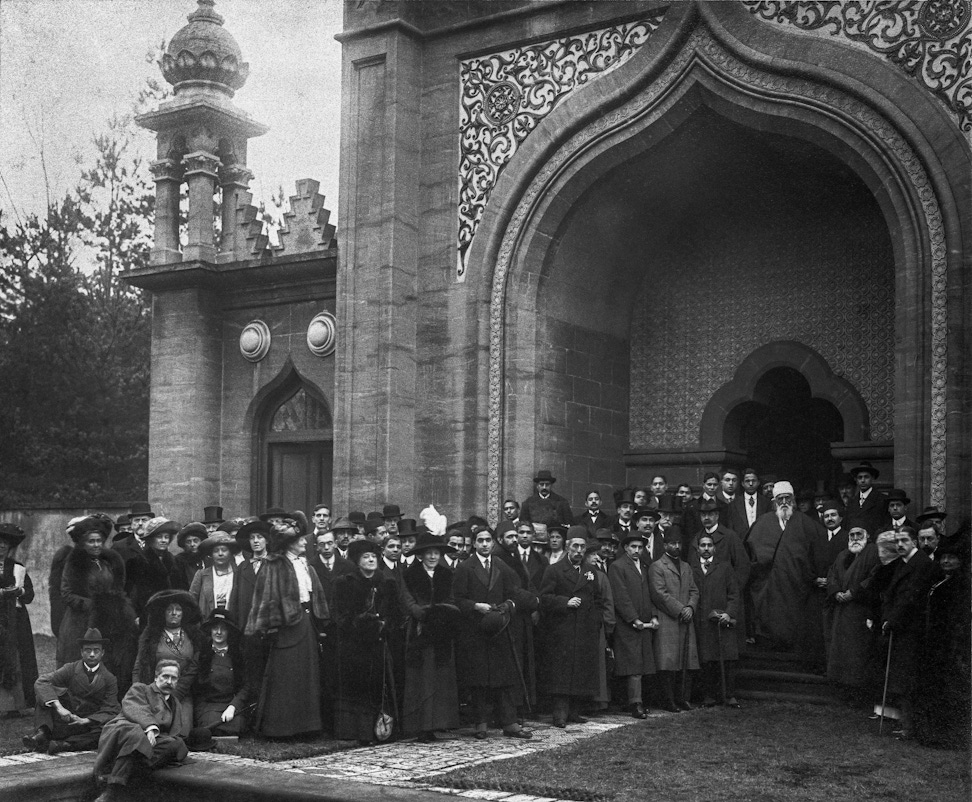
[[407, 764]]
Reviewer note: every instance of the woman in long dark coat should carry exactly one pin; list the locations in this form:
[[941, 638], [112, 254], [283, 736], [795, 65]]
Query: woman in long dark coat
[[221, 691], [289, 611], [189, 560], [431, 700], [157, 571], [93, 592], [365, 601], [18, 663]]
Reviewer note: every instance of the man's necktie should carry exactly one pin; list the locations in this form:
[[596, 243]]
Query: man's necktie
[[752, 501]]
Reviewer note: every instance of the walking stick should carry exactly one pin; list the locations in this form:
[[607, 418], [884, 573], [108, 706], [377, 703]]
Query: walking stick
[[261, 706], [519, 670], [722, 662], [685, 652], [887, 672]]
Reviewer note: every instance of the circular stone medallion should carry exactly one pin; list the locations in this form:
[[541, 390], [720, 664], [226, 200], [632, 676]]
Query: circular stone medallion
[[255, 340], [942, 19], [321, 334], [502, 103]]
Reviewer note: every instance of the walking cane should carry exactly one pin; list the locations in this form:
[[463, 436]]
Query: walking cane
[[887, 672], [722, 662], [519, 670], [261, 707], [685, 652]]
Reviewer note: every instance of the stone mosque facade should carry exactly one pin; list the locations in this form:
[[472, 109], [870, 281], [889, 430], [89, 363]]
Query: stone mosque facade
[[609, 239]]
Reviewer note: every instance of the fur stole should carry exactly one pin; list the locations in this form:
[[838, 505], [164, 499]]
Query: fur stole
[[276, 599], [429, 590], [77, 568]]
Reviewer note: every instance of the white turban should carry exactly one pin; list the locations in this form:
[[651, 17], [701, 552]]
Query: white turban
[[782, 489]]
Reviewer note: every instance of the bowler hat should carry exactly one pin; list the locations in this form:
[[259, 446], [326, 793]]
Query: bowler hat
[[92, 635], [407, 527], [141, 508], [122, 520], [374, 515], [648, 512], [544, 476], [220, 616], [195, 528], [372, 524], [426, 540], [495, 621], [344, 525], [11, 533], [894, 494], [631, 537], [708, 505], [391, 511], [356, 517], [219, 539], [212, 515], [155, 606], [930, 512], [864, 467], [359, 548], [606, 535], [274, 512]]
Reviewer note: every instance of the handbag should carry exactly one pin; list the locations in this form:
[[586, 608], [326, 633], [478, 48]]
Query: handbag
[[385, 722]]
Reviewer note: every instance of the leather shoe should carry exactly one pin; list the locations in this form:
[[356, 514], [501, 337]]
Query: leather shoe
[[38, 740], [59, 746], [669, 707], [731, 702], [480, 735], [520, 733], [575, 719], [427, 738], [560, 723], [637, 711]]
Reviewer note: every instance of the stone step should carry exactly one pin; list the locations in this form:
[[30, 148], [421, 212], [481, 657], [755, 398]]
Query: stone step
[[785, 696], [784, 682]]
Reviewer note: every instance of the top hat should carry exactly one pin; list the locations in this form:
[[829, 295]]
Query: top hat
[[391, 511], [544, 476], [606, 534], [625, 496], [930, 512], [407, 527], [11, 533], [161, 526], [195, 528], [220, 616], [141, 508], [78, 528], [274, 512], [92, 635], [253, 527], [212, 515], [426, 540], [708, 505], [666, 503], [357, 548], [356, 517], [155, 606], [894, 494], [219, 539], [864, 467], [344, 525]]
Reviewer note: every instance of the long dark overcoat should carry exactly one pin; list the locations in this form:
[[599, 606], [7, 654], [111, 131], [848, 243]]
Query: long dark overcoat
[[17, 637], [718, 590], [484, 661], [571, 634], [850, 639], [672, 588], [633, 650]]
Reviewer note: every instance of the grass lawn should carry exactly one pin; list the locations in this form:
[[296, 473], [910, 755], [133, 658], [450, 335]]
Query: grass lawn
[[763, 753]]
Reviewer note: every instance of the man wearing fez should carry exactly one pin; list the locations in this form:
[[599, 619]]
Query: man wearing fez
[[784, 545], [720, 603], [675, 596], [573, 608], [545, 506], [75, 701], [485, 590]]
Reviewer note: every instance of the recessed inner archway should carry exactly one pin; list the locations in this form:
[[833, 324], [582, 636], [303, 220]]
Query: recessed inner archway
[[675, 265]]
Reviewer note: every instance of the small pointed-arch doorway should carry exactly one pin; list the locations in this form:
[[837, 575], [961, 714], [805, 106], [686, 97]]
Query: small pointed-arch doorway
[[297, 452]]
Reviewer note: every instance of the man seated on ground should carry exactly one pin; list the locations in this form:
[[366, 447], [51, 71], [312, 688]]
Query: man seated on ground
[[75, 701], [148, 733]]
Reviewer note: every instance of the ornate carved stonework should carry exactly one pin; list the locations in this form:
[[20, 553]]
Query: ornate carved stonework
[[255, 341], [201, 162], [504, 96], [785, 89], [166, 170], [929, 39]]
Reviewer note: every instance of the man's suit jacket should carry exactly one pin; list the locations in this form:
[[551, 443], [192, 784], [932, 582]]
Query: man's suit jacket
[[553, 508], [870, 516], [648, 556], [888, 525], [738, 519], [619, 529], [96, 698], [829, 549], [328, 575], [535, 565], [728, 549], [600, 521]]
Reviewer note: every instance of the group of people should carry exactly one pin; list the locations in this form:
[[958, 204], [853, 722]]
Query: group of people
[[378, 626]]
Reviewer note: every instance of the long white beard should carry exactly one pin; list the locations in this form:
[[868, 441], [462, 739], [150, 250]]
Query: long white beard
[[855, 546], [784, 514]]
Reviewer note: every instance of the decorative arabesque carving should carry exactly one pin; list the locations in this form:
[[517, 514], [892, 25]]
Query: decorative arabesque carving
[[504, 96], [929, 39], [785, 89]]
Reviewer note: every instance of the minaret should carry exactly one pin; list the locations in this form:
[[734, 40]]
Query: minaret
[[202, 138]]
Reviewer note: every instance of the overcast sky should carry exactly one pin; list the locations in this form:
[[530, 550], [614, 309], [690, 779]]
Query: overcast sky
[[66, 66]]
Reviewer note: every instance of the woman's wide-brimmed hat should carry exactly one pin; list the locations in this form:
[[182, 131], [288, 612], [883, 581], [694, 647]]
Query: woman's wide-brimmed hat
[[219, 539], [257, 527], [274, 512], [161, 526], [426, 540], [155, 606], [194, 528], [79, 527], [220, 616]]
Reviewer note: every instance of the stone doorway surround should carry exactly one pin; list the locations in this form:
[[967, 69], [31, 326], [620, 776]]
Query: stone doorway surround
[[893, 135]]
